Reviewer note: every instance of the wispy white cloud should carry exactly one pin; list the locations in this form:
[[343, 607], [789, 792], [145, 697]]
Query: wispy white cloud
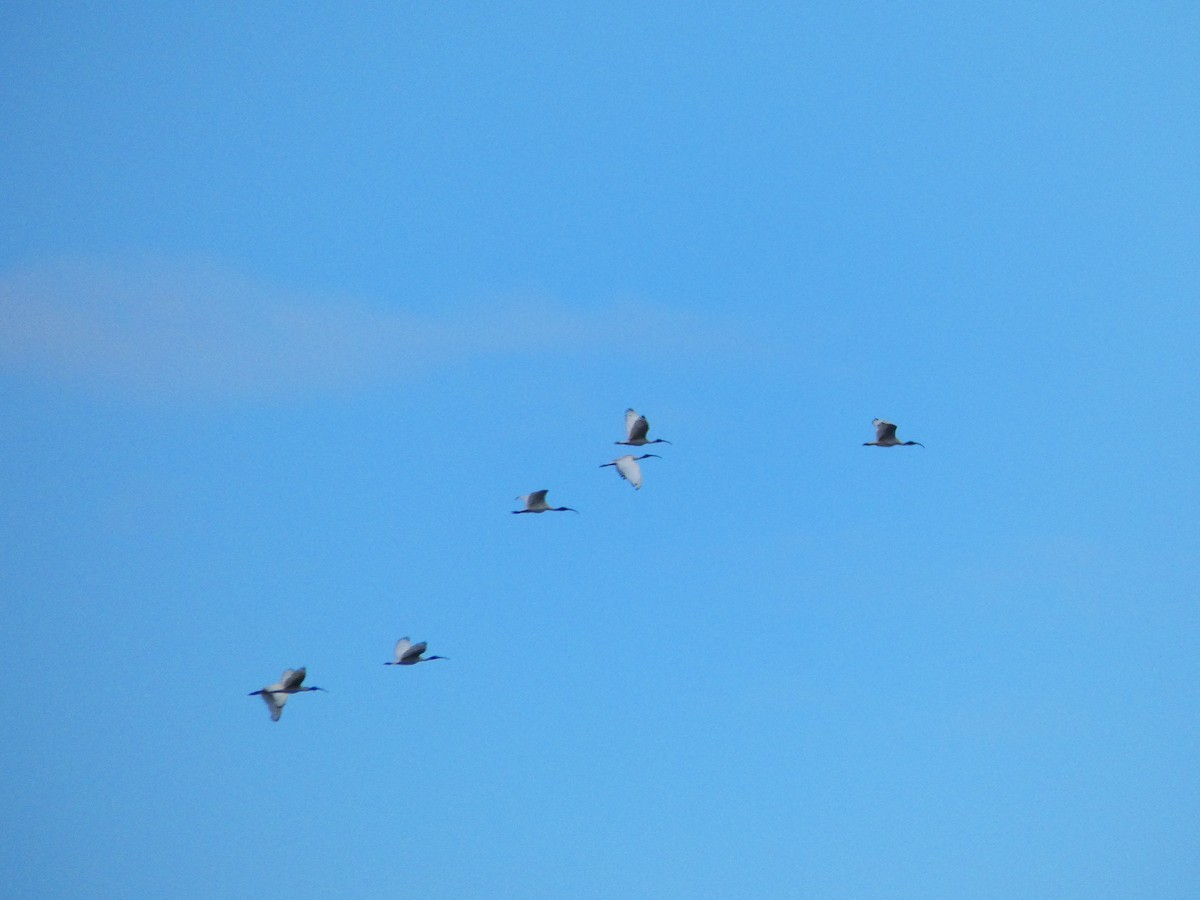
[[166, 327]]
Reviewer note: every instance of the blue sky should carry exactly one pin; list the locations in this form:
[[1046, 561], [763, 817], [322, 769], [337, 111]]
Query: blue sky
[[294, 300]]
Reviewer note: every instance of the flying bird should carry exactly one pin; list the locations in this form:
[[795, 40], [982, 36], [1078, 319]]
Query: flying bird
[[276, 695], [409, 654], [636, 428], [885, 436], [628, 468], [536, 503]]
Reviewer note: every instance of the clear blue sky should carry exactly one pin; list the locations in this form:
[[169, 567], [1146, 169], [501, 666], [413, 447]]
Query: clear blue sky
[[294, 300]]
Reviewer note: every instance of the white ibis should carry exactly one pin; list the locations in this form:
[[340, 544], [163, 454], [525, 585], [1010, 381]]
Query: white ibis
[[628, 468], [409, 654], [536, 503], [276, 695], [885, 436], [636, 428]]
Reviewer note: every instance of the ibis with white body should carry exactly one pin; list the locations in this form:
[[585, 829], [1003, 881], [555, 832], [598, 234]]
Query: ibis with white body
[[627, 467], [276, 695], [636, 429], [885, 436], [409, 654], [536, 503]]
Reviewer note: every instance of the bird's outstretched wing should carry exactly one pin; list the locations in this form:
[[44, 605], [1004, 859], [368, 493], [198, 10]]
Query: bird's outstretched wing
[[413, 652], [628, 469], [635, 426], [536, 498], [274, 703], [292, 679], [884, 431], [402, 646]]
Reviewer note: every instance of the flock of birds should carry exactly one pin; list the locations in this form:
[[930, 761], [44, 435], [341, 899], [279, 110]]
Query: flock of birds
[[637, 429], [292, 680]]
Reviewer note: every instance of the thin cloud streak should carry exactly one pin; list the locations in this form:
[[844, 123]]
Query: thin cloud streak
[[168, 328]]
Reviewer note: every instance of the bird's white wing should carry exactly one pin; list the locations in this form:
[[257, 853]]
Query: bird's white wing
[[292, 679], [415, 650], [274, 702], [628, 469], [537, 498], [402, 646], [635, 426], [884, 430]]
